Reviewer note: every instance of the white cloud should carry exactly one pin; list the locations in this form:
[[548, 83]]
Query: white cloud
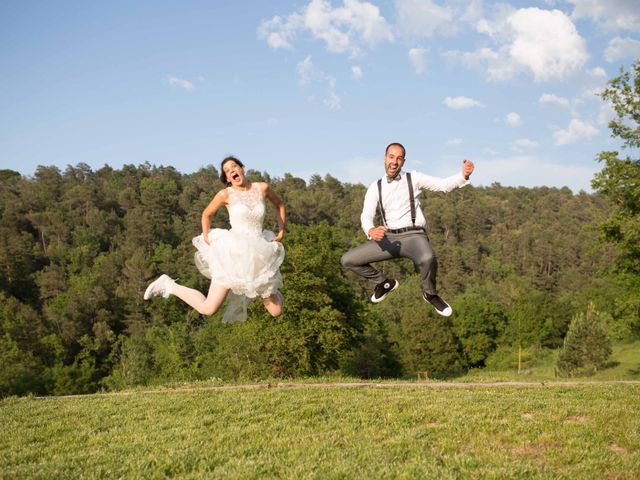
[[417, 57], [498, 66], [611, 15], [621, 48], [606, 114], [543, 43], [532, 171], [594, 84], [547, 43], [306, 71], [553, 100], [422, 18], [496, 24], [513, 119], [309, 76], [461, 102], [454, 141], [181, 83], [525, 143], [588, 93], [345, 29], [356, 72], [576, 131], [332, 101], [279, 32], [473, 11], [597, 72], [489, 151]]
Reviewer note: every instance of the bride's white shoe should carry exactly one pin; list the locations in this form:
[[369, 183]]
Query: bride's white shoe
[[161, 286]]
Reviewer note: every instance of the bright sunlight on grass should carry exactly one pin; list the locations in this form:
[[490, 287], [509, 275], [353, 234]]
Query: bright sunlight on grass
[[399, 431]]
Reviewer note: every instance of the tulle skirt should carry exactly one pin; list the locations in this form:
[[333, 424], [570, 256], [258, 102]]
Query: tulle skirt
[[248, 263]]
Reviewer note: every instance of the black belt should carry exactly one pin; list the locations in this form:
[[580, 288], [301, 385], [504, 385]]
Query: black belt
[[404, 229]]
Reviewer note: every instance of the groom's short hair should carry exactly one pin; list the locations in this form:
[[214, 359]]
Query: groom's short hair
[[404, 150]]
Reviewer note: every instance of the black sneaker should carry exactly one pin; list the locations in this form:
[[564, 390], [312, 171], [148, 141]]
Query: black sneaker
[[442, 307], [383, 289]]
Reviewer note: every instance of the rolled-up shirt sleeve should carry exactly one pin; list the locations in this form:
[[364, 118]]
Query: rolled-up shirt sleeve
[[369, 209]]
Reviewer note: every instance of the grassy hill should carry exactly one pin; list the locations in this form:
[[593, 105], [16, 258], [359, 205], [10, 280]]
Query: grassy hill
[[364, 430], [623, 365]]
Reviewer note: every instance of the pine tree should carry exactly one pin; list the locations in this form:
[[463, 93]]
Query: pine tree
[[587, 346]]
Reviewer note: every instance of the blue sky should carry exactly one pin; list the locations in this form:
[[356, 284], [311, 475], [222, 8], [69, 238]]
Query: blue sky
[[315, 86]]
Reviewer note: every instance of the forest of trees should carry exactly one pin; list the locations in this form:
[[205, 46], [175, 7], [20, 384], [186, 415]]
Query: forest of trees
[[78, 248]]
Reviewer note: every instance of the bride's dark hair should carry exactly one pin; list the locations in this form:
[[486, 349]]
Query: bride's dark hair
[[223, 176]]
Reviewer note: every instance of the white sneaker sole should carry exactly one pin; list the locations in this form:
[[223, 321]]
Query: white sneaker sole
[[149, 292], [445, 313], [378, 300]]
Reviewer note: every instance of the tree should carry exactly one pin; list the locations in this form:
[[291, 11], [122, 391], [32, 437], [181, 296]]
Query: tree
[[587, 346], [375, 357], [478, 322], [78, 248], [321, 319], [619, 180], [421, 339], [21, 351]]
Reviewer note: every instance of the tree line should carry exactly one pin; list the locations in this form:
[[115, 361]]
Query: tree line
[[78, 247]]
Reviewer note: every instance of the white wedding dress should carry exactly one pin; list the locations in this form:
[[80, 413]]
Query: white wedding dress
[[243, 259]]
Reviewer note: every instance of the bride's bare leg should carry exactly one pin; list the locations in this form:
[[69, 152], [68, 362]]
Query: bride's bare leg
[[205, 305], [273, 304]]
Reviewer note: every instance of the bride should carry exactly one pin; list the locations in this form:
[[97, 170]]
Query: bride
[[244, 260]]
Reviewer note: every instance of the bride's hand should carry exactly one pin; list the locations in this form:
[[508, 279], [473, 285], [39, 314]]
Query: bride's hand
[[278, 238], [205, 237]]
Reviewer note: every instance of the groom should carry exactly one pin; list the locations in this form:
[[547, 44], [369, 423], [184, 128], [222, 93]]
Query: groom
[[403, 229]]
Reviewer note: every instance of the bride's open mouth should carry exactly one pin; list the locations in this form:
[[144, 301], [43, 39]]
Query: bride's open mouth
[[235, 177]]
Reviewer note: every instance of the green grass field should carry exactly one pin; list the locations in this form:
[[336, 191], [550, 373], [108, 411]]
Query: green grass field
[[624, 365], [392, 430]]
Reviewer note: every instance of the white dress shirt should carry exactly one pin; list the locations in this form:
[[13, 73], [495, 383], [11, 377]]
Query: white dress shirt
[[395, 199]]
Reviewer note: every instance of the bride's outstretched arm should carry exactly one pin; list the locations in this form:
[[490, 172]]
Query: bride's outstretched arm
[[219, 200], [282, 216]]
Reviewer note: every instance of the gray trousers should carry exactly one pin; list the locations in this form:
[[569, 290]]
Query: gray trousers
[[414, 245]]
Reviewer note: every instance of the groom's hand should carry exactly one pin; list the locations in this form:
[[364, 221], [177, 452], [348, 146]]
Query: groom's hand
[[467, 168], [377, 233]]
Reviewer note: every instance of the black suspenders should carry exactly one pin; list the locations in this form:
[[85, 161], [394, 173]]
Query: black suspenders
[[412, 201], [384, 219]]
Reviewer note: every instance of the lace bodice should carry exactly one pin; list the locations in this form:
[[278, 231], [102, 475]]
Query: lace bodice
[[246, 209]]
